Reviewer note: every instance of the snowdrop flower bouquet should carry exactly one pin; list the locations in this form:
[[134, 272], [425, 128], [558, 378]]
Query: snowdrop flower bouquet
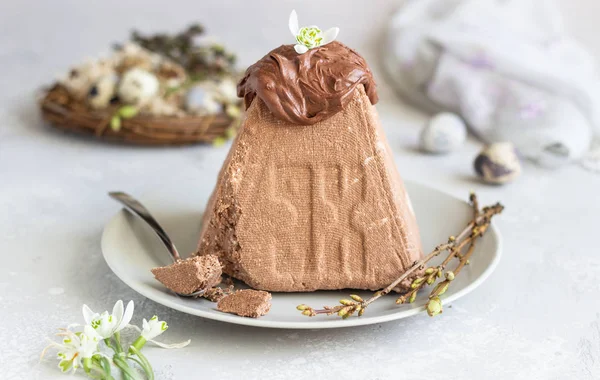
[[101, 333]]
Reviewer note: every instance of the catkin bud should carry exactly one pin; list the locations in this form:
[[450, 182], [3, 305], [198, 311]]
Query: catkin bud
[[434, 306], [441, 288], [343, 311], [413, 297]]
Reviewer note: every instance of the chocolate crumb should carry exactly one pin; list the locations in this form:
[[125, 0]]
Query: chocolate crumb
[[246, 303], [228, 281], [217, 293], [190, 275]]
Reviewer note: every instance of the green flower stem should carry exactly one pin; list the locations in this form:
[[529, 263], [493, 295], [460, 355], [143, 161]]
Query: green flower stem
[[105, 363], [117, 337], [149, 372], [129, 357], [109, 344], [144, 361], [98, 373], [119, 350], [128, 372], [93, 369], [137, 345], [87, 364]]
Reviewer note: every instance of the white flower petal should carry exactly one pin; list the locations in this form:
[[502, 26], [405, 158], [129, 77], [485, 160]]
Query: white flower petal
[[300, 49], [90, 332], [330, 35], [172, 345], [106, 324], [88, 343], [294, 23], [126, 317], [88, 314], [118, 311], [153, 328]]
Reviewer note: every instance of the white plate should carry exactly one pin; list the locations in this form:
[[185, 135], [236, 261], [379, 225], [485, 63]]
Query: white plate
[[131, 249]]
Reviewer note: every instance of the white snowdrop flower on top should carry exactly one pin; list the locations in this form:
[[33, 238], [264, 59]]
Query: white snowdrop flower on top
[[309, 37], [106, 324], [153, 328]]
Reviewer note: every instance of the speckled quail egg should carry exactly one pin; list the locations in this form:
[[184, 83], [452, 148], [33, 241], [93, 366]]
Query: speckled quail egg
[[138, 87], [171, 74], [102, 92], [498, 163], [81, 78], [444, 133]]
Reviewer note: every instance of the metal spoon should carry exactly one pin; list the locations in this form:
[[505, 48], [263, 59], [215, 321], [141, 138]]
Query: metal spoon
[[136, 208]]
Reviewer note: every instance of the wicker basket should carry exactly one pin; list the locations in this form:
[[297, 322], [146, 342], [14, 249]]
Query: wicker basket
[[67, 114]]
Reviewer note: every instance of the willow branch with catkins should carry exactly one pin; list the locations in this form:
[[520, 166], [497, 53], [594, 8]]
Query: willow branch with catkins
[[424, 275]]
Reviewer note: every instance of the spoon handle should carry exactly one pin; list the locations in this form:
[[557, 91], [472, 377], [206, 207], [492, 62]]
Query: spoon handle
[[136, 208]]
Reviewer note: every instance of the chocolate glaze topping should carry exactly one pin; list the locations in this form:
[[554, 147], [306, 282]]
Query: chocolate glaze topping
[[310, 87]]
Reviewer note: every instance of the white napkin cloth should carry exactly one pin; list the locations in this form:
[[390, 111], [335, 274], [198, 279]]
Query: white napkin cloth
[[506, 66]]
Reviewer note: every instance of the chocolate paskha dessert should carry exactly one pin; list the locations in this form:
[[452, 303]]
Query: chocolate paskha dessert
[[190, 275], [246, 303], [309, 196]]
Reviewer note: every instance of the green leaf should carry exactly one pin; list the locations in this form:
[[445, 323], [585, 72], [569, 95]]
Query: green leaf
[[233, 111], [128, 372], [145, 363], [230, 132], [135, 360], [105, 363], [117, 338], [127, 112], [115, 123], [219, 142]]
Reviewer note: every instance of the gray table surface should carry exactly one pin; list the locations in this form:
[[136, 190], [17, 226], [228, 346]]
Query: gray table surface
[[537, 317]]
